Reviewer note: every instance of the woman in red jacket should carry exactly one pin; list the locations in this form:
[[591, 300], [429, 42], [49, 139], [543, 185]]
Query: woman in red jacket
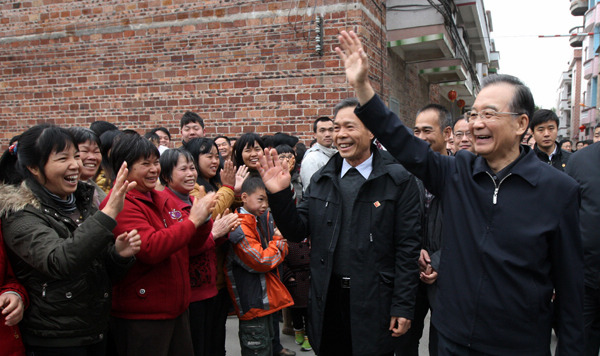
[[150, 304], [13, 299]]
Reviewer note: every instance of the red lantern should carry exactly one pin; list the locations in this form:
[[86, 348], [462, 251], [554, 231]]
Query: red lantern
[[460, 103], [452, 95], [582, 128]]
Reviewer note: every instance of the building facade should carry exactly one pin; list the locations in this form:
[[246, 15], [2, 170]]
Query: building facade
[[243, 65]]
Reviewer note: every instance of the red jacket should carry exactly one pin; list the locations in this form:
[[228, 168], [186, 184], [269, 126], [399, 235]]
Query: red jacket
[[158, 284], [251, 269], [203, 261], [11, 342]]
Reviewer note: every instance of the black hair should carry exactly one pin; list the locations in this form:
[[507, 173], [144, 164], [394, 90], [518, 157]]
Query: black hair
[[268, 140], [191, 117], [131, 131], [444, 116], [168, 160], [542, 116], [281, 138], [565, 140], [130, 148], [100, 127], [201, 146], [287, 149], [300, 149], [247, 139], [346, 103], [252, 184], [153, 137], [320, 119], [597, 126], [224, 137], [162, 129], [107, 140], [83, 135], [522, 101], [33, 150]]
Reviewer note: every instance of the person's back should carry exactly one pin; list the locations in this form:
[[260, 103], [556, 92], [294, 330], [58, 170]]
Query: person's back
[[251, 271]]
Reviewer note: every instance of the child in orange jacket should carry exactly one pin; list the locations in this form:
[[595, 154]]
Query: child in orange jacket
[[251, 271]]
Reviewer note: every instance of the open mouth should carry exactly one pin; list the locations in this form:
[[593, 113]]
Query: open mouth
[[72, 179]]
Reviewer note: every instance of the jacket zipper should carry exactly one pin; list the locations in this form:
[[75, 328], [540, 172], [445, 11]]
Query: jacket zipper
[[497, 187], [44, 290]]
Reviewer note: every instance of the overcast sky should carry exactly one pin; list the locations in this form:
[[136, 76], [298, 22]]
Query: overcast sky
[[538, 62]]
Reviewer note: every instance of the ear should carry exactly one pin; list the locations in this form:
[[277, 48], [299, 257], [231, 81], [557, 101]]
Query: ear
[[522, 123], [447, 132], [244, 197], [371, 136], [36, 172]]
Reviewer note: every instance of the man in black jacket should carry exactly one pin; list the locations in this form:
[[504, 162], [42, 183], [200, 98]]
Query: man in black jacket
[[508, 242], [544, 128], [584, 167], [362, 213]]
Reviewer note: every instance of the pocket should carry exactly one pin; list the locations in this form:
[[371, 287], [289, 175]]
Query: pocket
[[254, 336]]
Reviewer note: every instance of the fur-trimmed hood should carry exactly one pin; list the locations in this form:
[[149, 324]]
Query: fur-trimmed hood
[[15, 198]]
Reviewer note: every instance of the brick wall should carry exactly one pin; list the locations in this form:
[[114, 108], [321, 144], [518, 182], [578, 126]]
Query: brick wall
[[242, 65]]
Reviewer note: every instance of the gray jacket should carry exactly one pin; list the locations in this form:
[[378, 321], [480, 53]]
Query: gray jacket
[[315, 157]]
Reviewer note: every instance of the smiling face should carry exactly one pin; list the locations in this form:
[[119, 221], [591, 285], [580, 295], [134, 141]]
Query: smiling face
[[462, 136], [250, 155], [164, 139], [224, 147], [427, 128], [90, 155], [191, 130], [145, 172], [61, 172], [351, 137], [497, 139], [183, 176], [208, 163]]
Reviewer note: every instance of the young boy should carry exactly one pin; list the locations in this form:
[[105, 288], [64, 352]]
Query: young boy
[[251, 270]]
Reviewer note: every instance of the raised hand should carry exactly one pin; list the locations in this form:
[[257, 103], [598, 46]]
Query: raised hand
[[128, 243], [274, 173], [224, 224], [240, 177], [356, 62], [228, 174], [114, 205], [202, 208]]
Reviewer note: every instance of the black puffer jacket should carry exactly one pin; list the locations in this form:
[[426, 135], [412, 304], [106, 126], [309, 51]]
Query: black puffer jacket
[[64, 267], [559, 159]]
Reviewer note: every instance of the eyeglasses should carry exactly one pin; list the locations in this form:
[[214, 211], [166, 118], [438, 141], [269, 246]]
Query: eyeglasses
[[487, 114], [459, 134], [285, 156]]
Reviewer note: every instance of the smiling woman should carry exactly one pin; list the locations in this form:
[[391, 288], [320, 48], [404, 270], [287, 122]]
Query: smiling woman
[[59, 243]]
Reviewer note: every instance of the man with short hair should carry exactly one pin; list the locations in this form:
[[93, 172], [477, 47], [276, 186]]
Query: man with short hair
[[596, 133], [462, 136], [320, 153], [191, 126], [362, 212], [510, 224], [544, 125], [224, 146], [432, 125]]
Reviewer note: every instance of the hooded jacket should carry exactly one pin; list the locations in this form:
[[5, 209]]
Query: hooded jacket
[[66, 268]]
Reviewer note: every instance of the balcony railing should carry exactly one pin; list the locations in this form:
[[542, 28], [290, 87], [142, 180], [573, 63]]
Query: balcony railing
[[579, 7]]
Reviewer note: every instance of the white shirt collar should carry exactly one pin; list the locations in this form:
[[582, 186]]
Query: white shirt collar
[[364, 168]]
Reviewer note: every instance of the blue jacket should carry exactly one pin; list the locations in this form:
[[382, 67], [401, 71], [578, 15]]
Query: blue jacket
[[506, 247]]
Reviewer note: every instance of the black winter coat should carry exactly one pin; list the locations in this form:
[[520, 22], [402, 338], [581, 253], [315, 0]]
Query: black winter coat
[[559, 160], [385, 248], [66, 268]]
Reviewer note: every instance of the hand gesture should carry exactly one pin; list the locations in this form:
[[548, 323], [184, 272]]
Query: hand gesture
[[202, 208], [228, 174], [399, 326], [240, 177], [12, 308], [117, 196], [274, 173], [128, 243], [224, 224], [355, 59]]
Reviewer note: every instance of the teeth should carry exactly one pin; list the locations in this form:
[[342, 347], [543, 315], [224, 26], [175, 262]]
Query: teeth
[[90, 165], [72, 178]]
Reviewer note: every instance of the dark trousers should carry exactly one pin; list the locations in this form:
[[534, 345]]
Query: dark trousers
[[203, 326], [222, 306], [447, 347], [169, 337], [277, 347], [337, 337], [256, 336], [591, 314], [408, 344], [299, 318], [98, 349]]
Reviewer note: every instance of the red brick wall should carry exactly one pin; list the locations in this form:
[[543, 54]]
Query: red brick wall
[[242, 65]]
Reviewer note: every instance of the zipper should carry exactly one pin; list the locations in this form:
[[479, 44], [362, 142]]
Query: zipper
[[497, 187], [371, 236], [44, 290]]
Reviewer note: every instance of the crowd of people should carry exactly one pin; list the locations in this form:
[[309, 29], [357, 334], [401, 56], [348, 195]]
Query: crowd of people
[[116, 243]]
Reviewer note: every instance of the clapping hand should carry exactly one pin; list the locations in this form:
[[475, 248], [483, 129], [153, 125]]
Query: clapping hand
[[274, 173]]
